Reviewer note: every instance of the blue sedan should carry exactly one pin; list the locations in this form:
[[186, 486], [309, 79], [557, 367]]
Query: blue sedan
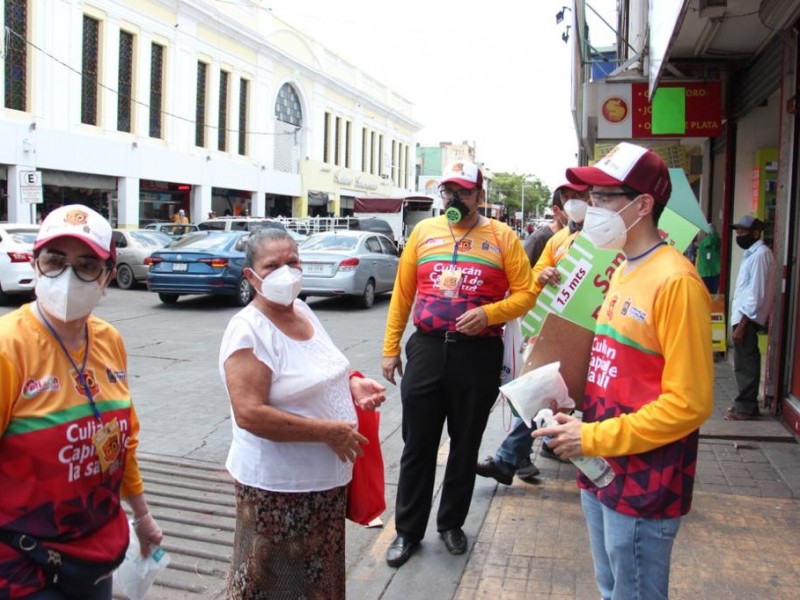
[[204, 262]]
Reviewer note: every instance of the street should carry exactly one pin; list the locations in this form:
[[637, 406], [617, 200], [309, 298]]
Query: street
[[185, 433]]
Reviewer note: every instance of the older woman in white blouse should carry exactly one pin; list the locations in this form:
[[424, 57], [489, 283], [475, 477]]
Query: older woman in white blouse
[[294, 433]]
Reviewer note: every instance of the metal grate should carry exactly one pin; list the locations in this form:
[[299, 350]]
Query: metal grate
[[243, 87], [156, 88], [200, 110], [222, 124], [16, 54], [287, 106], [89, 91], [125, 82]]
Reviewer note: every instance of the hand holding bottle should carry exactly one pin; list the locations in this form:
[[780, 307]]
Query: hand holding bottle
[[563, 430], [562, 434]]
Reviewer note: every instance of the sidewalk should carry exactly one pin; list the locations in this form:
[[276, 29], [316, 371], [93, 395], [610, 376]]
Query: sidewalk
[[739, 541]]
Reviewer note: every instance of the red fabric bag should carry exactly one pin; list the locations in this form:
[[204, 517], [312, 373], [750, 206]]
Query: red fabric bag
[[366, 499]]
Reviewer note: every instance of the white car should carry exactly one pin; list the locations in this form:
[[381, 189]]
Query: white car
[[16, 252], [133, 246]]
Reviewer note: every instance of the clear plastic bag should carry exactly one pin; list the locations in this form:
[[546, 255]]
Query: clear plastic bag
[[136, 574], [540, 388]]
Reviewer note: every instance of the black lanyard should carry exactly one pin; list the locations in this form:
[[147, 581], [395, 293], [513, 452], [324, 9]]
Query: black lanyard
[[80, 371]]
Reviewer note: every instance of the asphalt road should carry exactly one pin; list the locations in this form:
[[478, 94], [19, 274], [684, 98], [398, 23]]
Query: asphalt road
[[185, 416]]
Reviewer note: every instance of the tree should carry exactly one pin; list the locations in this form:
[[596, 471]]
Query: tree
[[507, 189]]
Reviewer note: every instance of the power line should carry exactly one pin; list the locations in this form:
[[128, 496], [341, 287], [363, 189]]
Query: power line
[[116, 92]]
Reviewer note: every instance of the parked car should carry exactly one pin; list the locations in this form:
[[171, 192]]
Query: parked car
[[16, 251], [133, 246], [238, 224], [373, 224], [348, 263], [204, 262], [174, 230]]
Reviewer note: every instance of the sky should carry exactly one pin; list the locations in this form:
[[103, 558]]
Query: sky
[[494, 73]]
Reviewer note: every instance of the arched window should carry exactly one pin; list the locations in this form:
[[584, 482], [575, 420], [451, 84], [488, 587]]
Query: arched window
[[287, 106]]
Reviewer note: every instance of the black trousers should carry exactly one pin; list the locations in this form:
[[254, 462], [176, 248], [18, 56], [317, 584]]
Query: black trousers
[[747, 370], [456, 382]]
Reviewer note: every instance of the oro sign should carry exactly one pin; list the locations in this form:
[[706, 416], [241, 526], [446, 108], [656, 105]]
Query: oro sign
[[30, 187]]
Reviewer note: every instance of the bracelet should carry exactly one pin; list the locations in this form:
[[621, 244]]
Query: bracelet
[[358, 374], [140, 519]]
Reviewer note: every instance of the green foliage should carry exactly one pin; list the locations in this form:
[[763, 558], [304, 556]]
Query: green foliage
[[507, 189]]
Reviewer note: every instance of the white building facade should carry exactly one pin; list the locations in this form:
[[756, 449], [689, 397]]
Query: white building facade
[[140, 108]]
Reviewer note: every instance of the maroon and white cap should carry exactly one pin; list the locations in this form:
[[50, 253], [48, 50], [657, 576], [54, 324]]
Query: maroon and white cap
[[79, 222], [575, 187], [464, 173], [628, 165]]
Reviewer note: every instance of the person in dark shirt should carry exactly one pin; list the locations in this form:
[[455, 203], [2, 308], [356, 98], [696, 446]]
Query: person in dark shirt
[[513, 456]]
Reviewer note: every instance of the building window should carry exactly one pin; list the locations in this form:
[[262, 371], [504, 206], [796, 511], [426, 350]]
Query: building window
[[156, 88], [405, 168], [287, 106], [201, 105], [372, 152], [91, 60], [16, 54], [337, 140], [243, 102], [222, 123], [394, 168], [363, 149], [348, 127], [125, 82], [380, 155], [326, 137]]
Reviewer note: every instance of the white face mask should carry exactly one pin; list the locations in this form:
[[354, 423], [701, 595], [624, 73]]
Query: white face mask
[[282, 285], [576, 209], [606, 228], [66, 297]]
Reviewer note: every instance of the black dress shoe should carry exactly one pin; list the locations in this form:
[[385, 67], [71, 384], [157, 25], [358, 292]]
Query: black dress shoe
[[455, 540], [399, 551], [489, 468]]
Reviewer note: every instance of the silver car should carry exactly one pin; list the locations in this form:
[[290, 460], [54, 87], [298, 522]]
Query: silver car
[[16, 253], [348, 263], [133, 246]]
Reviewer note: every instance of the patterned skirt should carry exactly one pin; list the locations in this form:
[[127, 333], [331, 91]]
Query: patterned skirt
[[288, 545]]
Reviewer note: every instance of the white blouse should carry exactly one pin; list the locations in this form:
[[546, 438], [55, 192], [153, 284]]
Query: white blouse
[[309, 379]]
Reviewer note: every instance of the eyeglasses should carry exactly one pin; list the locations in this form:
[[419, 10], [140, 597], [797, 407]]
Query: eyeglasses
[[85, 268], [450, 194], [603, 197]]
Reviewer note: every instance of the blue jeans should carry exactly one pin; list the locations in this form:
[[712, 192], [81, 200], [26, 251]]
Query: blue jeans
[[515, 448], [631, 555]]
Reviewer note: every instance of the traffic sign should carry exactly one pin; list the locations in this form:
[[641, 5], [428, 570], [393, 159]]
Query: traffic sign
[[30, 186]]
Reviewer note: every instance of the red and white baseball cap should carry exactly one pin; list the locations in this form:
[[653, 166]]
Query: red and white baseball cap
[[628, 165], [79, 222], [575, 187], [463, 173]]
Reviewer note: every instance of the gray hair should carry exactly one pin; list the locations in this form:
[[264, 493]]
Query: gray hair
[[260, 238]]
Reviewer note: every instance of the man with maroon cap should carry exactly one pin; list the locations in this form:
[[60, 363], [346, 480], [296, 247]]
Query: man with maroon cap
[[68, 429], [650, 380], [464, 275]]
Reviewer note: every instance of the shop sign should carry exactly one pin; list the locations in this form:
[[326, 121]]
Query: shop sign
[[624, 110]]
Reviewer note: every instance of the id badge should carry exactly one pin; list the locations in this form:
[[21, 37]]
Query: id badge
[[107, 443], [450, 282]]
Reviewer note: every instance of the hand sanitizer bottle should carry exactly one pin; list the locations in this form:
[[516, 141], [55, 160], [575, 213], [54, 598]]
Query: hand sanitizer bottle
[[596, 468]]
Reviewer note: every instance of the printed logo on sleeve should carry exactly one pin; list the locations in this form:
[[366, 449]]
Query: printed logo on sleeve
[[116, 376], [34, 387]]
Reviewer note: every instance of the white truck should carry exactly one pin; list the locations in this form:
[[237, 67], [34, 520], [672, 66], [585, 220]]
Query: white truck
[[402, 214]]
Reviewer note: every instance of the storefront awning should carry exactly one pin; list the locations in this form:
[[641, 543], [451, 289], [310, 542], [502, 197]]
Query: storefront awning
[[317, 199], [78, 180]]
